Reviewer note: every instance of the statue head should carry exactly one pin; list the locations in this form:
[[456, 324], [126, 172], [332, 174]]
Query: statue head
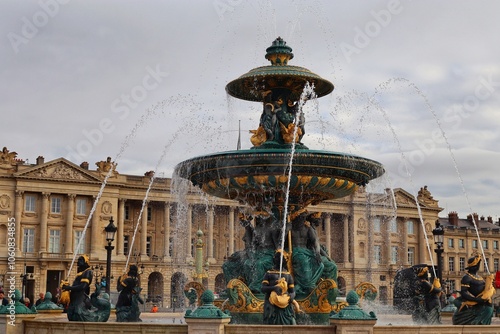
[[133, 270], [423, 272], [83, 262], [473, 262], [278, 255]]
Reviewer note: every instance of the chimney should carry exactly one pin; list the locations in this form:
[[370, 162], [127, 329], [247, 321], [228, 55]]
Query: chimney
[[40, 160], [490, 219], [85, 165], [453, 218]]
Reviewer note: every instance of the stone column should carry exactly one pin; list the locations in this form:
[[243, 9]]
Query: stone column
[[43, 222], [166, 231], [120, 224], [144, 231], [328, 232], [18, 210], [95, 241], [231, 230], [404, 253], [346, 239], [388, 241], [69, 224], [422, 245], [210, 240], [189, 223]]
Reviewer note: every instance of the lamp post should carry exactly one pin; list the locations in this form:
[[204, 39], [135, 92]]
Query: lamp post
[[438, 234], [110, 236]]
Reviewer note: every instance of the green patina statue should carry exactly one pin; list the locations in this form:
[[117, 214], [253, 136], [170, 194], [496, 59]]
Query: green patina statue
[[474, 306], [427, 305], [82, 307], [127, 306]]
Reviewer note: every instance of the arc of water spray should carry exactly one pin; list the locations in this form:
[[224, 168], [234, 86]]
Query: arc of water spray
[[384, 114], [144, 201], [123, 147], [455, 164], [307, 93]]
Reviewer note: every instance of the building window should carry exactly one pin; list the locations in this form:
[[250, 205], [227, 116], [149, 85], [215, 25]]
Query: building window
[[148, 246], [485, 244], [170, 246], [474, 243], [127, 212], [81, 206], [410, 227], [29, 240], [29, 203], [461, 243], [451, 264], [453, 287], [376, 224], [495, 244], [54, 241], [486, 264], [55, 205], [495, 265], [411, 256], [394, 254], [81, 249], [377, 254], [462, 263], [393, 226], [150, 214], [451, 243], [126, 244]]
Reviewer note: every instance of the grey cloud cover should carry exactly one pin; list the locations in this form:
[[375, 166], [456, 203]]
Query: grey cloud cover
[[139, 79]]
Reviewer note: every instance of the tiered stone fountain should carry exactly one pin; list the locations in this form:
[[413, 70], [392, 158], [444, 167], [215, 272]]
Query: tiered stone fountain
[[277, 179]]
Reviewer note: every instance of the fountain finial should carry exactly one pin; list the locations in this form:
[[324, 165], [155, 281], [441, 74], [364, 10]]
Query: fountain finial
[[279, 53]]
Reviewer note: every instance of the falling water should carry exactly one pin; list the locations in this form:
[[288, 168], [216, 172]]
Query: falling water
[[307, 93], [452, 156], [149, 112], [164, 153], [405, 162]]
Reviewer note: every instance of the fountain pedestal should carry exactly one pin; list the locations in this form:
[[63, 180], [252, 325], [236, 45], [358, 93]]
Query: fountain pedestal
[[14, 324]]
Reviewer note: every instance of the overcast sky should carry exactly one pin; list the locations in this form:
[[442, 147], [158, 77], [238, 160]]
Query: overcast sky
[[417, 84]]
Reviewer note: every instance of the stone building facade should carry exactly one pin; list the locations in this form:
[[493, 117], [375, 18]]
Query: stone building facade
[[59, 210]]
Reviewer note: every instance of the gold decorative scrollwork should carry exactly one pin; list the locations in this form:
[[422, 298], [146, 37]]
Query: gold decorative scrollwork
[[366, 291], [241, 299], [321, 299], [195, 286]]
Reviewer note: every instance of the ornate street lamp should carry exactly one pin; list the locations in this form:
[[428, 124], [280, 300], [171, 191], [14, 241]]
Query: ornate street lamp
[[110, 236], [438, 234]]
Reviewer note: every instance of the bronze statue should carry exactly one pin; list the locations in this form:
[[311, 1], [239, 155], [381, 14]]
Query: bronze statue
[[427, 305], [127, 306], [474, 306], [279, 292], [81, 306]]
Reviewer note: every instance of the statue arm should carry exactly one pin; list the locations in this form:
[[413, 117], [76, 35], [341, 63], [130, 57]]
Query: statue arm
[[267, 288]]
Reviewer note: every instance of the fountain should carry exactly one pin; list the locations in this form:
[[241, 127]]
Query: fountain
[[277, 180]]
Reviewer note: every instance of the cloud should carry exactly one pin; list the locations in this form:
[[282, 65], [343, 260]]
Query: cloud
[[423, 74]]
